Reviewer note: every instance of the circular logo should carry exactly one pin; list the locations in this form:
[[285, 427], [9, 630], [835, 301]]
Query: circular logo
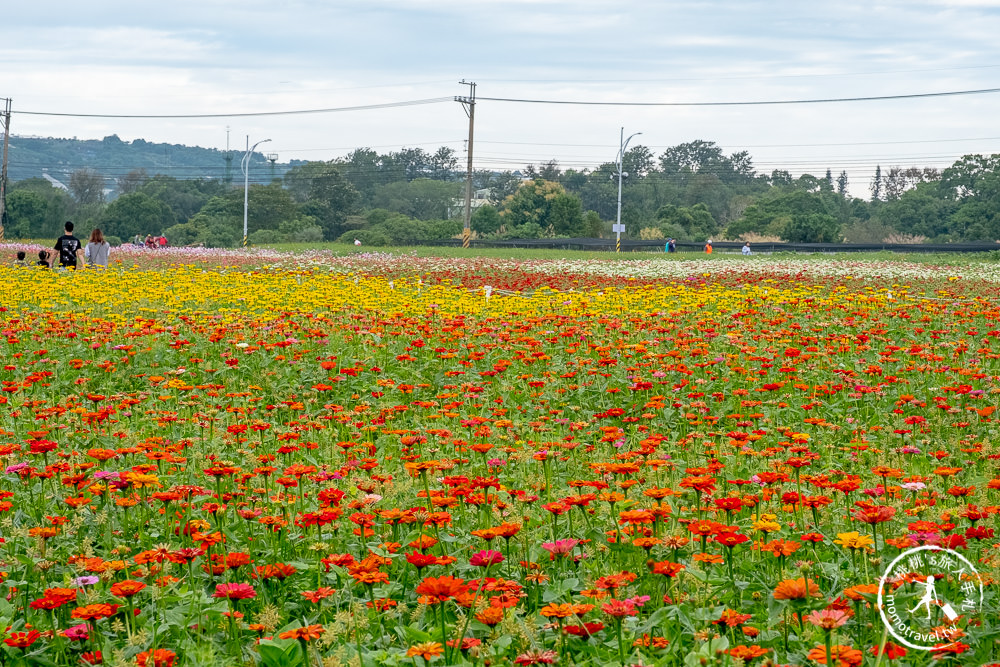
[[925, 596]]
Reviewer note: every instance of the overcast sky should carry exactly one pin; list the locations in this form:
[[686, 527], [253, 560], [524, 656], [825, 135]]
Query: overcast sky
[[217, 56]]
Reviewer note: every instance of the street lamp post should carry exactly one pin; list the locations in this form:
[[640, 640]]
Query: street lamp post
[[621, 157], [245, 165]]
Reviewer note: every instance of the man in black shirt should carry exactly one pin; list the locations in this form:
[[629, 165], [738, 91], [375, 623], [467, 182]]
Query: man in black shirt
[[68, 247]]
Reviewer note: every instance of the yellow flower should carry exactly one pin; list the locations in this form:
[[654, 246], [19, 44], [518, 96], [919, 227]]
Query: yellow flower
[[766, 525], [853, 540]]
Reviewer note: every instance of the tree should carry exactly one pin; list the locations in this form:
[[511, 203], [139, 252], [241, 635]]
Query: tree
[[876, 185], [695, 222], [132, 181], [325, 194], [547, 205], [638, 162], [43, 222], [421, 198], [26, 214], [842, 184], [899, 180], [135, 213], [502, 185], [220, 222], [593, 225], [486, 220], [184, 197], [87, 186], [443, 164], [796, 216]]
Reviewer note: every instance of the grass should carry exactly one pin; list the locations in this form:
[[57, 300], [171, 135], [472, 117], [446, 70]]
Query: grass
[[946, 259]]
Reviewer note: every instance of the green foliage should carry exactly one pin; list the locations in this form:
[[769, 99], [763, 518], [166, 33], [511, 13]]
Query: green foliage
[[368, 237], [26, 214], [46, 221], [797, 216], [87, 186], [184, 197], [421, 198], [593, 226], [325, 195], [184, 234], [546, 205], [486, 220], [529, 230], [439, 230], [136, 213], [687, 223]]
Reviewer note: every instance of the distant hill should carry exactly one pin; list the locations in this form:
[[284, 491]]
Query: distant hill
[[33, 157]]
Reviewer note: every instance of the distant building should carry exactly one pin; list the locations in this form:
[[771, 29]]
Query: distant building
[[479, 198]]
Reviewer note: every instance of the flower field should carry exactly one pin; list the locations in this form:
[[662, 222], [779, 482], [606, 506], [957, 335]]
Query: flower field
[[261, 458]]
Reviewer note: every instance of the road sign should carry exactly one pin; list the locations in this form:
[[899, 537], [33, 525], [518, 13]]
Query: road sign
[[618, 228]]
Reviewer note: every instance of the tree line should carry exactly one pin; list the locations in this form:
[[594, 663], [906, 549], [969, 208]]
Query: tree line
[[691, 192]]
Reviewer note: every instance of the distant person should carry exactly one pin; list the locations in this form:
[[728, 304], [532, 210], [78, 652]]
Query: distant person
[[746, 249], [43, 258], [150, 243], [96, 252], [357, 241], [708, 247], [69, 248], [162, 241], [20, 261], [672, 245]]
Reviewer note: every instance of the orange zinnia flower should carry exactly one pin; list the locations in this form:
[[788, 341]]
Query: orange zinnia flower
[[441, 589], [796, 589], [843, 656], [93, 612], [426, 650], [308, 633], [126, 589]]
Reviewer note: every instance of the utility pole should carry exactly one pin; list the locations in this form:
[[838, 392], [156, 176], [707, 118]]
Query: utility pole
[[3, 168], [469, 104]]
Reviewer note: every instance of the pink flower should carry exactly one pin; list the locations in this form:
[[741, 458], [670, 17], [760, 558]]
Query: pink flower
[[619, 608], [638, 600], [560, 547], [77, 633], [234, 591], [486, 558], [828, 619]]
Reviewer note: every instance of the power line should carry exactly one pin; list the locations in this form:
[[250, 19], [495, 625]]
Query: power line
[[873, 98], [295, 112], [749, 76]]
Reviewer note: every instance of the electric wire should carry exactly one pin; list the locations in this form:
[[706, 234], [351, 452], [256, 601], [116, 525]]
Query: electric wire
[[293, 112], [872, 98]]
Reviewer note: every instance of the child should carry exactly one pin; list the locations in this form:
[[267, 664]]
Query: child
[[43, 258], [20, 261]]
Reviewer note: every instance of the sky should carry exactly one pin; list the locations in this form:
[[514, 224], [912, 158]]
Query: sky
[[222, 57]]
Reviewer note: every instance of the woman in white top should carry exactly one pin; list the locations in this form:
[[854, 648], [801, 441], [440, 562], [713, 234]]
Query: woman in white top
[[96, 252]]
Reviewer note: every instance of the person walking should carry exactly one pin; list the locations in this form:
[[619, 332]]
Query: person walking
[[746, 249], [708, 247], [69, 248], [96, 252]]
